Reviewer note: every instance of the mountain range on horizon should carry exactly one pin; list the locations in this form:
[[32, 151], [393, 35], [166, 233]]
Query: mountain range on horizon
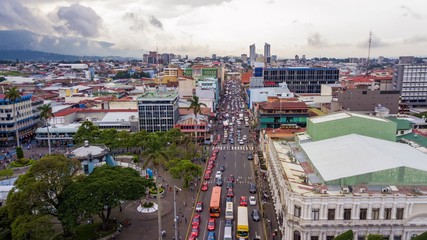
[[23, 40]]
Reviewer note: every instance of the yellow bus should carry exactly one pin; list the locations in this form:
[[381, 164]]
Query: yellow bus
[[215, 206], [242, 222]]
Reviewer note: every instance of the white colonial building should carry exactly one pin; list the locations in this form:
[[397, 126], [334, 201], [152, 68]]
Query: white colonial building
[[321, 189]]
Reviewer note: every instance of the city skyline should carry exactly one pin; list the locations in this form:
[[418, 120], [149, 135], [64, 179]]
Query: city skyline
[[329, 28]]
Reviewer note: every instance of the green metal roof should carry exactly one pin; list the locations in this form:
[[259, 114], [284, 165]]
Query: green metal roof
[[402, 124], [419, 139]]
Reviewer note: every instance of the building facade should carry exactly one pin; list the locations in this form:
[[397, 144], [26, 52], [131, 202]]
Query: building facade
[[158, 111], [275, 114], [27, 115], [300, 79], [322, 189], [252, 54], [411, 80], [267, 53], [366, 100]]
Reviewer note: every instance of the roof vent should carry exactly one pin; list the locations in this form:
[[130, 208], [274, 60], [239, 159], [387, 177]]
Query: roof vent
[[86, 143]]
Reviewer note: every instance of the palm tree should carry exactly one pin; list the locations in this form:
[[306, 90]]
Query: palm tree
[[13, 94], [197, 109], [46, 114], [154, 151]]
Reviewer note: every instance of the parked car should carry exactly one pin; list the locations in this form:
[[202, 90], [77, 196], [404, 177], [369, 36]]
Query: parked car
[[231, 178], [207, 176], [252, 200], [250, 156], [255, 215], [211, 224], [218, 181], [243, 201], [230, 192], [204, 186], [252, 188], [211, 236], [229, 184], [218, 174], [196, 220], [195, 231], [199, 206]]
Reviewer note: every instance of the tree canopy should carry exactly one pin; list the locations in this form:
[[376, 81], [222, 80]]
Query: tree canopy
[[185, 169], [345, 236], [41, 189], [87, 131], [103, 190]]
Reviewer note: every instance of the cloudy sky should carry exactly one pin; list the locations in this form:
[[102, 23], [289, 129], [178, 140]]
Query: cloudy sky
[[317, 28]]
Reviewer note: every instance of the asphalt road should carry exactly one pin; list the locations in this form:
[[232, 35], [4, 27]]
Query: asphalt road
[[237, 164]]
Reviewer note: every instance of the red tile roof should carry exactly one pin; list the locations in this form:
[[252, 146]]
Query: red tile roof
[[66, 112]]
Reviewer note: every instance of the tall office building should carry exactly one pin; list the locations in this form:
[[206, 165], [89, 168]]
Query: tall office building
[[252, 54], [267, 54], [411, 78], [300, 79], [158, 111]]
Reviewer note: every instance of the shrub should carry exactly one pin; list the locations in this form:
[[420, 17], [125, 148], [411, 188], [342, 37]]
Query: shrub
[[345, 236], [153, 190], [148, 204], [19, 153], [22, 162]]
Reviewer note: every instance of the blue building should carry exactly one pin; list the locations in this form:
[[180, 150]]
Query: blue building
[[300, 79]]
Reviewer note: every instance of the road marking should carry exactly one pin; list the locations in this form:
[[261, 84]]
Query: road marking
[[204, 232], [219, 230]]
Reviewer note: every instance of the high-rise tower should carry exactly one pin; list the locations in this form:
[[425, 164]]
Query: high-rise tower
[[267, 54], [252, 54]]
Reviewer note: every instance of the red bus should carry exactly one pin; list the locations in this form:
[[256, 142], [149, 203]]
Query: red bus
[[215, 206]]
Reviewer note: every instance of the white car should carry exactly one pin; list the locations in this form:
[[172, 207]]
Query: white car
[[241, 142], [252, 200], [244, 137], [218, 174]]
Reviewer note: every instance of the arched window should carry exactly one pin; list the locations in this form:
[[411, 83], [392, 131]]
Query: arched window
[[297, 235]]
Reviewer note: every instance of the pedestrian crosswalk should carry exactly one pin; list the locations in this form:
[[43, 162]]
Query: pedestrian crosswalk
[[232, 147]]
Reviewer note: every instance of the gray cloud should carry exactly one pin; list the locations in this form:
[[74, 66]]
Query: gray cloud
[[79, 20], [137, 23], [192, 3], [156, 22], [376, 42], [408, 12], [415, 40], [14, 15], [315, 40]]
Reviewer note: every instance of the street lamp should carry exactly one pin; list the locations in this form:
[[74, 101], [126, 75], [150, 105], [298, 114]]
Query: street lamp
[[174, 210]]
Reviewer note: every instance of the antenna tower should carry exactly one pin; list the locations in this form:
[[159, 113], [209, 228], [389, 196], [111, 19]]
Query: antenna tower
[[369, 52]]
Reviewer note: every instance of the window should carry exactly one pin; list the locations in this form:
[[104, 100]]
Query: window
[[314, 238], [363, 213], [347, 214], [375, 213], [399, 213], [297, 211], [331, 214], [315, 214], [387, 213], [330, 237]]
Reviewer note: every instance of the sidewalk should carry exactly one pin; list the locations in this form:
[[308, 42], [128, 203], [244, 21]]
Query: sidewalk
[[145, 226]]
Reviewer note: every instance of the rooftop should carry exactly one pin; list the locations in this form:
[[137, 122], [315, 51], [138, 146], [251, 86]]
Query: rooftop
[[367, 155], [342, 115], [159, 95]]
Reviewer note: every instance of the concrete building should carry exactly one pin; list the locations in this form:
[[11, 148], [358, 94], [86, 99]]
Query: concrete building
[[27, 114], [369, 185], [244, 58], [411, 78], [262, 94], [365, 100], [267, 53], [158, 110], [300, 79], [186, 87], [281, 112], [252, 54]]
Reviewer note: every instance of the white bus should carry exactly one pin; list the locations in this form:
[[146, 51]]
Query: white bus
[[229, 211]]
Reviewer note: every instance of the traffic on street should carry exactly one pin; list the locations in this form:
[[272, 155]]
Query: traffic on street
[[228, 204]]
